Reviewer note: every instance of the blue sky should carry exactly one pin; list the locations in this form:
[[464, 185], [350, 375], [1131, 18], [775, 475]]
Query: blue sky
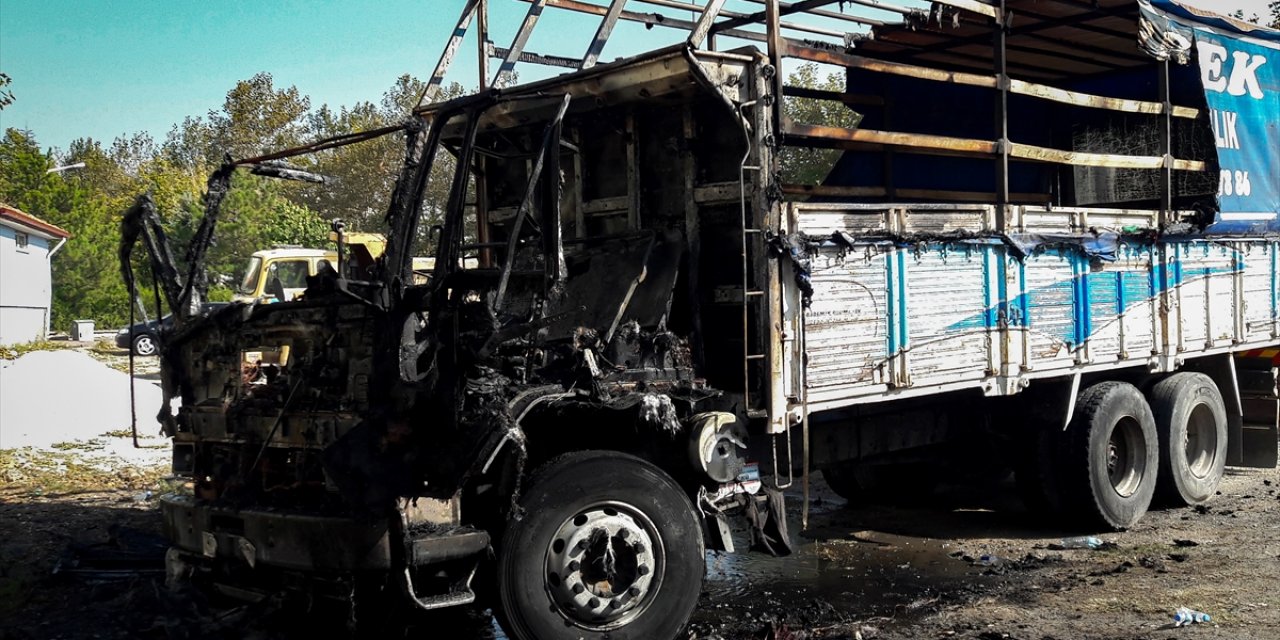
[[99, 69]]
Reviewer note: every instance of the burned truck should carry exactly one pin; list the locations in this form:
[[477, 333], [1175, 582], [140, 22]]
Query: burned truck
[[1046, 243]]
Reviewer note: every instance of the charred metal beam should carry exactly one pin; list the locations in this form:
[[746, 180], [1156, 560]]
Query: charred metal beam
[[872, 4], [1166, 145], [760, 16], [405, 207], [526, 203], [276, 169], [705, 21], [197, 280], [320, 145], [446, 56], [1001, 33], [648, 19], [513, 55], [602, 34], [552, 235], [717, 29], [534, 58], [451, 236], [482, 38], [1043, 23], [143, 221]]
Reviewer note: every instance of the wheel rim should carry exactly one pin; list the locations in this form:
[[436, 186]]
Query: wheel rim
[[1200, 442], [1126, 457], [604, 566], [145, 346]]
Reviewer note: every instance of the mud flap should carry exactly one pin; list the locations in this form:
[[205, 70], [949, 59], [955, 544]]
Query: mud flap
[[718, 534], [769, 524]]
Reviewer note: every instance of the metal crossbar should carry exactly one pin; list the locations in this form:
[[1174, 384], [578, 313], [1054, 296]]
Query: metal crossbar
[[813, 19]]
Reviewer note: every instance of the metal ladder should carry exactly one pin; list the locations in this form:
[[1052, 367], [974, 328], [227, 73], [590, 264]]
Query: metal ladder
[[754, 296]]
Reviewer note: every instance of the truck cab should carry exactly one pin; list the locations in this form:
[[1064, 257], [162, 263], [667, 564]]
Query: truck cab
[[280, 274]]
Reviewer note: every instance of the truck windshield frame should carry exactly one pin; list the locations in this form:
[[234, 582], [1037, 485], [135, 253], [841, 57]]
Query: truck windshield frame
[[250, 281]]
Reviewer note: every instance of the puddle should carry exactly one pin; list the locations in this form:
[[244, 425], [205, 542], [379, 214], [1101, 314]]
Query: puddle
[[862, 572]]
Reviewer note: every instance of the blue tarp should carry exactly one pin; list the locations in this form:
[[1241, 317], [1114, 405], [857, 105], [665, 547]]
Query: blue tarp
[[1239, 71]]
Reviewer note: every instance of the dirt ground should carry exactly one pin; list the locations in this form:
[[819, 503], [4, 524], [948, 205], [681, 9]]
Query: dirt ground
[[80, 558]]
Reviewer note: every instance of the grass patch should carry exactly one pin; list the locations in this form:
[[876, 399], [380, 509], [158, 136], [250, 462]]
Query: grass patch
[[33, 473], [18, 350], [106, 348]]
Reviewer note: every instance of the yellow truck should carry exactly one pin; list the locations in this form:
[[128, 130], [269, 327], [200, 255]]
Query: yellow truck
[[280, 274]]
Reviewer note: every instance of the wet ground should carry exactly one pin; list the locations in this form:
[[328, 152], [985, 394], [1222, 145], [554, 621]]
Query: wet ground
[[968, 562]]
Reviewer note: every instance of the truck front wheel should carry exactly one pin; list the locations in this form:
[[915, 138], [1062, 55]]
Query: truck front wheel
[[607, 545], [1191, 420], [1109, 468]]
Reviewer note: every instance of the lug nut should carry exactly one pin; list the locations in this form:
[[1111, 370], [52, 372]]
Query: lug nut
[[623, 533], [593, 603], [634, 591], [578, 588], [642, 570], [638, 547], [614, 604], [574, 565]]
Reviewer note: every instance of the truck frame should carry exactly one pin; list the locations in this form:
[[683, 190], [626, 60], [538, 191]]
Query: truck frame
[[1040, 249]]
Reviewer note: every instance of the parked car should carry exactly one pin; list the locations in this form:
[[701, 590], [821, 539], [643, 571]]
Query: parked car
[[144, 337]]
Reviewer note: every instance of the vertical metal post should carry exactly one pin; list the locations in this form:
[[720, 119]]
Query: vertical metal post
[[482, 39], [1166, 147], [773, 34], [633, 173], [482, 200], [1002, 118], [552, 232]]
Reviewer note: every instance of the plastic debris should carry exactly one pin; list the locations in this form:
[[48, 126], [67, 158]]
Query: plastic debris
[[1184, 616], [1082, 542]]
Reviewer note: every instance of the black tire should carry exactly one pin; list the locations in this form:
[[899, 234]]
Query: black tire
[[144, 344], [1191, 421], [1107, 474], [551, 578]]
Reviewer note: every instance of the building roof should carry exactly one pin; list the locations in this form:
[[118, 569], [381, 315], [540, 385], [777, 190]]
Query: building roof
[[36, 225]]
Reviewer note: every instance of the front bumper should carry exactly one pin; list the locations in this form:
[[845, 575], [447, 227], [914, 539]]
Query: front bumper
[[310, 542], [286, 540]]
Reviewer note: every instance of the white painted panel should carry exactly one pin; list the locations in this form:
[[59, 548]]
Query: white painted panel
[[845, 328], [946, 306]]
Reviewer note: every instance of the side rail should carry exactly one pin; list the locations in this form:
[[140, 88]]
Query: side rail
[[899, 308]]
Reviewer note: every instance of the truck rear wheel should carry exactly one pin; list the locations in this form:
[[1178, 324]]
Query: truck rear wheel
[[608, 546], [1191, 421], [1108, 472]]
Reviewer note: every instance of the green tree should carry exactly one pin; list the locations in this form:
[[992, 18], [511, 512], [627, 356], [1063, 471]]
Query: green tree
[[6, 95], [255, 118], [811, 166], [86, 280]]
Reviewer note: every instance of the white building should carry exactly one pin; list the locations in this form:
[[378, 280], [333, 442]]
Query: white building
[[27, 245]]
